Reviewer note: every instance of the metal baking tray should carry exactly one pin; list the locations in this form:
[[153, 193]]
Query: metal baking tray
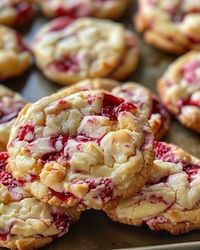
[[94, 230]]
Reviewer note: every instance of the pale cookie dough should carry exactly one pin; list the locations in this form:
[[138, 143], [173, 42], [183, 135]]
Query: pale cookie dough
[[170, 199], [89, 84], [172, 26], [111, 9], [68, 50], [15, 57], [129, 61], [26, 223], [16, 13], [82, 150], [149, 104], [10, 105], [179, 89]]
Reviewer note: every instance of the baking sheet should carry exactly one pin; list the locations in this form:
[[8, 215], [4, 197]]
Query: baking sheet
[[95, 230]]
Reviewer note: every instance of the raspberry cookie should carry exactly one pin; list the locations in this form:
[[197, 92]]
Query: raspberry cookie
[[15, 57], [27, 223], [10, 105], [82, 150], [79, 8], [170, 199], [179, 89], [69, 50], [16, 13], [172, 26], [149, 104]]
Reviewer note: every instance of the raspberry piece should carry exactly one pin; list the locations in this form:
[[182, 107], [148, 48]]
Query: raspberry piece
[[3, 160], [61, 196], [62, 221], [26, 133], [59, 143], [191, 170], [164, 152], [66, 63], [60, 23], [102, 186], [154, 222], [187, 102], [3, 236], [112, 106], [189, 72], [7, 180]]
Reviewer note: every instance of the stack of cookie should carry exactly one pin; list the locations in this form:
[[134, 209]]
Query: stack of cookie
[[96, 144], [91, 146], [79, 149]]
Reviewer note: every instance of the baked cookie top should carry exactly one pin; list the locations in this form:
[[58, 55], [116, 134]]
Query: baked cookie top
[[148, 103], [170, 199], [129, 61], [26, 222], [179, 89], [89, 84], [15, 56], [82, 150], [16, 13], [80, 8], [69, 50], [161, 19]]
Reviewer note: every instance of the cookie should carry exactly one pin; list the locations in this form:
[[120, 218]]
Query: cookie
[[15, 56], [82, 150], [111, 9], [10, 105], [172, 26], [68, 51], [179, 89], [11, 190], [170, 199], [149, 104], [16, 13], [27, 223]]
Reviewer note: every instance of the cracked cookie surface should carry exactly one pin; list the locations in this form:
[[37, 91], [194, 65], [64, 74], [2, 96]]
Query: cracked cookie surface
[[149, 104], [170, 199], [27, 223], [179, 89], [82, 150]]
